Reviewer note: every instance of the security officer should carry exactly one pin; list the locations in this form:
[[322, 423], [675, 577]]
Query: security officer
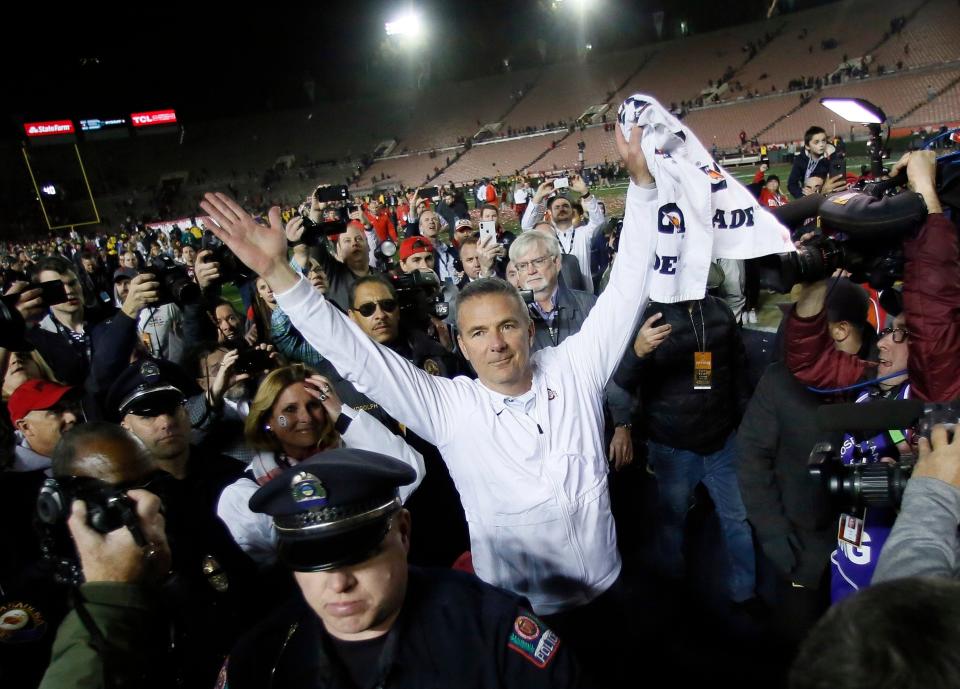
[[367, 619], [215, 579]]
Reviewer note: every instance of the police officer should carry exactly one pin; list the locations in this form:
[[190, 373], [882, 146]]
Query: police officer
[[367, 619], [215, 579]]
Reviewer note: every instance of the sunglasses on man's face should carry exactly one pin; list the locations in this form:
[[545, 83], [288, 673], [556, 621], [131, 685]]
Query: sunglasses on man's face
[[369, 308]]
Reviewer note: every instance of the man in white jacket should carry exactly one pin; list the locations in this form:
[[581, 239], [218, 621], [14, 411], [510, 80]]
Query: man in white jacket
[[524, 443]]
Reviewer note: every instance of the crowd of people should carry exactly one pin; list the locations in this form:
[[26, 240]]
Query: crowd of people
[[379, 442]]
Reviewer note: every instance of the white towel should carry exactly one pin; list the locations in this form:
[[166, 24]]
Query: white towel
[[704, 212]]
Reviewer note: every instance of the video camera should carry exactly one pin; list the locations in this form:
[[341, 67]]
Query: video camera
[[876, 484], [420, 297], [864, 231]]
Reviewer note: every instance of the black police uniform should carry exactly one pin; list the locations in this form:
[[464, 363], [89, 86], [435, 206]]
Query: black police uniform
[[453, 630], [209, 598]]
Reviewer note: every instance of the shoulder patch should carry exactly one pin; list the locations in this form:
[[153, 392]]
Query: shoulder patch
[[531, 639], [222, 675]]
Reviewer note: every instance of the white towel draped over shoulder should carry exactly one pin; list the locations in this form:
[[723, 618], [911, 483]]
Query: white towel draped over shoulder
[[704, 213]]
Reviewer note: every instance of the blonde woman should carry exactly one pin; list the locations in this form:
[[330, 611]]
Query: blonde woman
[[295, 414]]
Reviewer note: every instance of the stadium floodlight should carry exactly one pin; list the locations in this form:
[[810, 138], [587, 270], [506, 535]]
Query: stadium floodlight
[[855, 110], [408, 24]]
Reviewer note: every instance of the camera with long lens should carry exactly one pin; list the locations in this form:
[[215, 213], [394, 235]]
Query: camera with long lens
[[855, 486], [420, 297], [232, 269], [175, 284], [876, 484]]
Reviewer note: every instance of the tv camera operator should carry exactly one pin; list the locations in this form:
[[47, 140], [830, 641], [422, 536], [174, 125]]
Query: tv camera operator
[[917, 356]]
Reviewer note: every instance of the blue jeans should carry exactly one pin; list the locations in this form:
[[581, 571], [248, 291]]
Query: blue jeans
[[678, 473]]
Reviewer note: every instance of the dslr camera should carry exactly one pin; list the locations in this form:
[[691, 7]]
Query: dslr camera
[[175, 284]]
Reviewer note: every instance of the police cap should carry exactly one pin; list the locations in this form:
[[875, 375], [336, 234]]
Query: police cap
[[333, 509], [148, 388]]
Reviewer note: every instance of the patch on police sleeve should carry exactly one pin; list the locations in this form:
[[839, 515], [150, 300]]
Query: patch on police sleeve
[[222, 675], [532, 640]]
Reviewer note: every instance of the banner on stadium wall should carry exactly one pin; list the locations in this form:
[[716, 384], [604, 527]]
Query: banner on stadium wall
[[50, 128], [153, 118]]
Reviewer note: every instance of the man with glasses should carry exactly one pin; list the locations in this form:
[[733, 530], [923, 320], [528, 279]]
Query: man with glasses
[[922, 346], [376, 309]]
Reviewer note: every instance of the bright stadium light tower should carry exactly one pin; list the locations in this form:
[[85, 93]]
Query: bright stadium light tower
[[408, 24]]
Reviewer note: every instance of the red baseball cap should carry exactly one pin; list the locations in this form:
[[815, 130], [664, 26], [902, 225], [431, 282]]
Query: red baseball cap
[[34, 395], [415, 245]]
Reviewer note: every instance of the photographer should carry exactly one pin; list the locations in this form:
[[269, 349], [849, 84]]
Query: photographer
[[559, 212], [924, 540], [205, 601], [922, 348], [114, 637], [351, 262], [80, 353], [931, 299], [427, 224]]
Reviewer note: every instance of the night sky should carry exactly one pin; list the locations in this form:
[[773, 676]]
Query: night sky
[[206, 62]]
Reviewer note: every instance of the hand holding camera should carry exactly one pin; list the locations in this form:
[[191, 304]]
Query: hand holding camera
[[144, 291], [116, 556], [940, 456], [29, 302], [206, 271]]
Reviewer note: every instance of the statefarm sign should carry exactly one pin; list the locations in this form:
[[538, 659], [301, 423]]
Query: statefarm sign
[[51, 128], [154, 117]]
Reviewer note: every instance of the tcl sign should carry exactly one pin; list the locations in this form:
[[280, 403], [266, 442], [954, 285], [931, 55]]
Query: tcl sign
[[52, 128], [154, 117]]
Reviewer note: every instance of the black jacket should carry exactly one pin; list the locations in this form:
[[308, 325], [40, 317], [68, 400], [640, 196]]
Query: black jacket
[[788, 510], [453, 631], [673, 412], [798, 173]]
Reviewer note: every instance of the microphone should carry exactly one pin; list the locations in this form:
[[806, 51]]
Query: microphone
[[879, 415]]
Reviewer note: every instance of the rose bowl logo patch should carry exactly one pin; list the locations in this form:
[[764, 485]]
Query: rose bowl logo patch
[[20, 622], [532, 640]]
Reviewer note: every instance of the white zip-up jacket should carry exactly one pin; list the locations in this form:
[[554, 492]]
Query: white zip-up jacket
[[532, 471]]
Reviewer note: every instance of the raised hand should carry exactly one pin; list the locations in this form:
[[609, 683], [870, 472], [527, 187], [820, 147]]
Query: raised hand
[[263, 249], [632, 155]]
